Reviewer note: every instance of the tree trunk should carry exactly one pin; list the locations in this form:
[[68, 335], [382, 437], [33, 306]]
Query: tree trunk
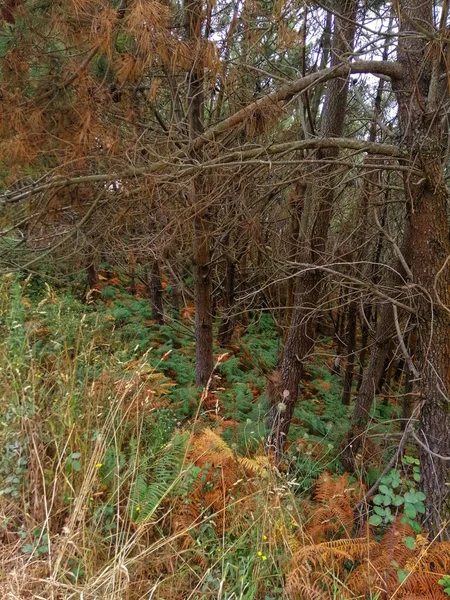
[[203, 303], [92, 280], [204, 362], [296, 204], [351, 351], [227, 323], [409, 398], [419, 99], [300, 339], [370, 383], [156, 294]]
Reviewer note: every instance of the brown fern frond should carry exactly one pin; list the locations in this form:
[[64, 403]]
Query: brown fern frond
[[209, 442], [378, 569], [336, 498], [260, 465], [436, 559], [322, 558], [327, 488], [422, 585]]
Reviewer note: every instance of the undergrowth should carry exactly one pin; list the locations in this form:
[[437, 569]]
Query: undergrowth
[[120, 479]]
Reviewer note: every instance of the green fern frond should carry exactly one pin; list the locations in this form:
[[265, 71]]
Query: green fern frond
[[154, 483]]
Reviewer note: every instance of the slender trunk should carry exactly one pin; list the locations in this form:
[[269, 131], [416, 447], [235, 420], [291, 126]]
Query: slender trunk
[[386, 375], [339, 335], [156, 294], [243, 276], [351, 351], [92, 280], [227, 323], [300, 339], [132, 272], [372, 377], [202, 221], [296, 205], [203, 303], [175, 295], [364, 320], [409, 398]]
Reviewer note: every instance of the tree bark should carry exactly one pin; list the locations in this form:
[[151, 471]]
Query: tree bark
[[373, 373], [418, 98], [315, 221], [92, 280], [202, 221], [351, 352], [409, 399], [226, 326], [156, 294]]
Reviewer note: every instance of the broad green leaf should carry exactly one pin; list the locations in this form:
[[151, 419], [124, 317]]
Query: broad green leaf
[[375, 520], [410, 510], [402, 575], [410, 542]]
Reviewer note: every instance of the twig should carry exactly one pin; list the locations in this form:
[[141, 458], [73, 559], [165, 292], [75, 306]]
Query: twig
[[427, 449], [403, 347]]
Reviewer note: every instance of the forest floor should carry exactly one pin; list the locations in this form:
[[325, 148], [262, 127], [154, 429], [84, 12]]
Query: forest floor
[[119, 478]]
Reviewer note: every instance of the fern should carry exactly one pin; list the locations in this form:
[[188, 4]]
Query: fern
[[315, 568], [153, 484]]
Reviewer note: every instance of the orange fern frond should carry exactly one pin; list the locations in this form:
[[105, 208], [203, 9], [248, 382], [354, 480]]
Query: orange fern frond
[[336, 498], [310, 561], [422, 585]]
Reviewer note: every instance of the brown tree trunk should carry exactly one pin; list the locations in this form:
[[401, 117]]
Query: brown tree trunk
[[409, 398], [419, 99], [203, 302], [92, 280], [156, 294], [204, 362], [300, 339], [296, 204], [226, 326], [351, 352], [243, 317], [370, 383], [339, 336]]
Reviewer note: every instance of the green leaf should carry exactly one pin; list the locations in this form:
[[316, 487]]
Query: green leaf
[[397, 500], [375, 520], [378, 499], [386, 480], [411, 497], [385, 490], [410, 542], [402, 575], [379, 510], [415, 526], [410, 510], [420, 507]]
